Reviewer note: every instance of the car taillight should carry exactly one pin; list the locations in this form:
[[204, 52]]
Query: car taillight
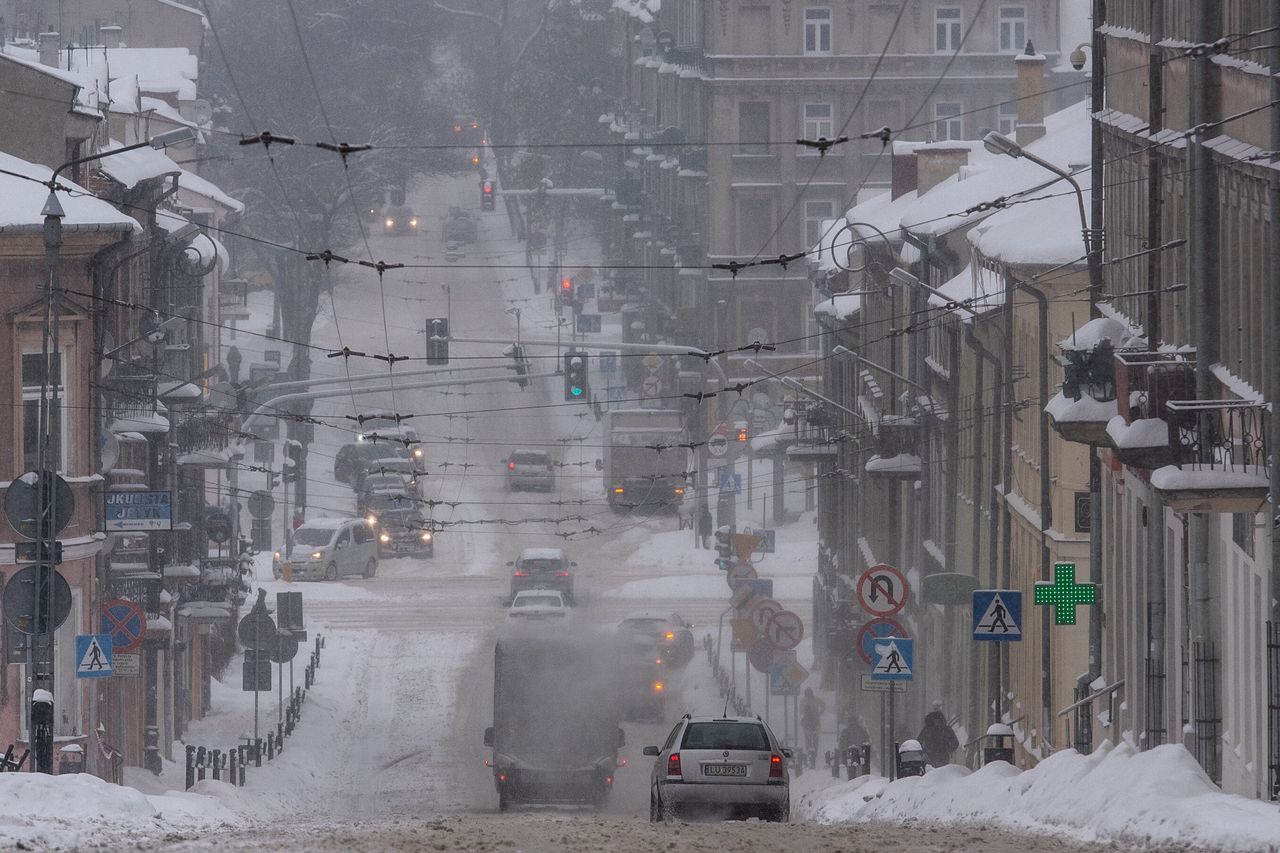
[[520, 574], [511, 466], [673, 766], [617, 490], [658, 687], [562, 574], [775, 767], [670, 635]]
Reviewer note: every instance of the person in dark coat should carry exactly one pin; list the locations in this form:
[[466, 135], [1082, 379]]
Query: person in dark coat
[[937, 737], [704, 525]]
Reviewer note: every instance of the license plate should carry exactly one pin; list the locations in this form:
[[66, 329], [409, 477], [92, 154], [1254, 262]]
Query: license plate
[[724, 770]]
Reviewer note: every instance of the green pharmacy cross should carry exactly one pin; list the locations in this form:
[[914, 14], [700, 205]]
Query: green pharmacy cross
[[1064, 593]]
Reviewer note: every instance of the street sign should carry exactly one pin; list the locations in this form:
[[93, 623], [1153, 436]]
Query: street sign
[[607, 362], [997, 615], [652, 361], [780, 686], [730, 483], [256, 671], [257, 630], [882, 590], [785, 630], [761, 655], [751, 590], [872, 632], [261, 504], [789, 670], [738, 573], [871, 685], [126, 622], [22, 504], [768, 539], [893, 659], [217, 526], [1064, 593], [289, 613], [761, 610], [616, 393], [129, 511], [284, 649], [93, 656], [651, 387], [127, 665], [26, 599], [744, 545], [745, 635], [588, 323], [718, 442]]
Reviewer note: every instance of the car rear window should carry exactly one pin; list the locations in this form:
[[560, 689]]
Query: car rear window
[[540, 566], [531, 458], [725, 736], [538, 601]]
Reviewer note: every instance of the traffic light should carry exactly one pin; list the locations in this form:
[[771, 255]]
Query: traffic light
[[566, 291], [742, 433], [724, 549], [486, 195], [292, 463], [575, 376], [437, 340], [519, 365]]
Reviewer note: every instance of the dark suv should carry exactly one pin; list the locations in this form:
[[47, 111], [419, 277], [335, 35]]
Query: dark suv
[[530, 469], [542, 568]]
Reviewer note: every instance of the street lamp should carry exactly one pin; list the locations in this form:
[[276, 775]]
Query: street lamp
[[53, 214]]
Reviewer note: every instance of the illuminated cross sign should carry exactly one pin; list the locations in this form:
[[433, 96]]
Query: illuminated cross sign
[[1064, 593]]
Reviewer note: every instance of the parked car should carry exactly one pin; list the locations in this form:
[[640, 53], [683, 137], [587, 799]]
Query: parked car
[[733, 766], [537, 605], [671, 634], [542, 568], [530, 469], [328, 549]]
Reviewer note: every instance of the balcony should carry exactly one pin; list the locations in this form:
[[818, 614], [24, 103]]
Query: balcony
[[1223, 456], [1081, 410], [204, 440], [1142, 432], [897, 440]]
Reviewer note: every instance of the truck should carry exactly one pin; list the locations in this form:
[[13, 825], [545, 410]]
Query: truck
[[556, 722], [636, 472]]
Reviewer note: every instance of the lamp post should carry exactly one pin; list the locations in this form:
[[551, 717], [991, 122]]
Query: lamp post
[[53, 213], [998, 144]]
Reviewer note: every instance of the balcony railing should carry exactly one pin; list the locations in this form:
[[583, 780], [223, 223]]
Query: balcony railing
[[897, 440], [1080, 412], [1221, 455], [1145, 384], [204, 440]]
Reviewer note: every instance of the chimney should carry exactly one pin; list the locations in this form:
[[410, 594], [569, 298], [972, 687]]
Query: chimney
[[1030, 95], [904, 174], [49, 49], [110, 35], [936, 162]]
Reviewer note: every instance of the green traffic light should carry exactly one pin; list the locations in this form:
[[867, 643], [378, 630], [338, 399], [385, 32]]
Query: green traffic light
[[575, 391]]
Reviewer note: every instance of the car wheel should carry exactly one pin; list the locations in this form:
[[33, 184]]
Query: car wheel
[[504, 800], [370, 568], [655, 810], [331, 572], [275, 572]]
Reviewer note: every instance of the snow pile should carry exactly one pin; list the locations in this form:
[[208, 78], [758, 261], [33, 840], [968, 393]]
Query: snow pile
[[1117, 794]]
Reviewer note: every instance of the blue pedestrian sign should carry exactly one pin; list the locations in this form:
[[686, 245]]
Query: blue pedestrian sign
[[893, 659], [997, 615], [769, 538], [93, 656], [730, 483]]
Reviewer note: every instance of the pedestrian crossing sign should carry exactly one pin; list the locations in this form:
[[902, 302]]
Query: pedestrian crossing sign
[[93, 655], [997, 615], [893, 658]]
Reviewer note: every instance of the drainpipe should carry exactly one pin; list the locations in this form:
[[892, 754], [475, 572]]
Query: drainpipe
[[978, 489], [1273, 198]]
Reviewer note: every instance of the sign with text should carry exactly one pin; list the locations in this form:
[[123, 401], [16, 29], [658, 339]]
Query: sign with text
[[128, 511]]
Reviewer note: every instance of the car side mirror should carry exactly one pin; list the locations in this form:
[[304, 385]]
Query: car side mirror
[[622, 738], [488, 736], [574, 565], [651, 751], [787, 753], [510, 562], [599, 464]]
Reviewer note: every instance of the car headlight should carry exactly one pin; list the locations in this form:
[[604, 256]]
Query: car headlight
[[316, 555], [372, 519], [390, 223], [413, 223], [384, 538], [277, 555], [417, 453], [426, 536]]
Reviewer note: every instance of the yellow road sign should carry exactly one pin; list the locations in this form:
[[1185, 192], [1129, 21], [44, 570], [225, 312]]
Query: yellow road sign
[[745, 635]]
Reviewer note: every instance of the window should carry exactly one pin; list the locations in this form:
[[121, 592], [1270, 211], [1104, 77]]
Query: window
[[1013, 28], [946, 24], [816, 211], [33, 375], [947, 121], [1242, 531], [753, 127], [725, 736], [817, 30], [1007, 119], [817, 121]]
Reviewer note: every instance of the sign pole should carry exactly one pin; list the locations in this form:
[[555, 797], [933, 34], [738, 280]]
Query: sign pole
[[257, 642], [893, 732], [884, 728]]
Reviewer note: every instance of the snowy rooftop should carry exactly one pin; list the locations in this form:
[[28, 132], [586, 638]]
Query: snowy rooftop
[[204, 187], [882, 213], [826, 254], [22, 200], [86, 97], [129, 168], [158, 70]]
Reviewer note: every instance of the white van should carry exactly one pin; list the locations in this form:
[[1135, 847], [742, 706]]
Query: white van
[[329, 548]]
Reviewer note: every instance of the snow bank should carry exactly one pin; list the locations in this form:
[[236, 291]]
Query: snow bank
[[1117, 794]]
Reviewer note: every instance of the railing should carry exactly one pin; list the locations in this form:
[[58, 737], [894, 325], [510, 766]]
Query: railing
[[1145, 381], [1091, 372], [203, 433], [1224, 435]]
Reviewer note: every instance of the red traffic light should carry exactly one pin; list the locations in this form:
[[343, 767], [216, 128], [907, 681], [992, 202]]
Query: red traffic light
[[566, 284], [487, 187]]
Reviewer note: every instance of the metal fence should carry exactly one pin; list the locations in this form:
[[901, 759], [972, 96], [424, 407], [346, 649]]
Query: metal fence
[[1208, 712], [1273, 707]]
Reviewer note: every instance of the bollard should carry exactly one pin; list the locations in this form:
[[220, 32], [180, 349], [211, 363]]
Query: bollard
[[232, 755], [217, 765], [191, 766], [317, 657], [201, 760], [243, 765], [279, 737], [257, 752]]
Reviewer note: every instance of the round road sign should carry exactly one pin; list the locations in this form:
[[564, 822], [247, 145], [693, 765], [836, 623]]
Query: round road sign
[[257, 630], [261, 504], [761, 655], [875, 631], [26, 599], [718, 443], [22, 503], [785, 630], [218, 527], [126, 622], [882, 590], [651, 386], [761, 611], [738, 573], [283, 650]]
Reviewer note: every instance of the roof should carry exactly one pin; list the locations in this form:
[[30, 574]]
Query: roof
[[159, 70], [542, 554], [21, 201], [130, 168], [327, 523], [87, 91]]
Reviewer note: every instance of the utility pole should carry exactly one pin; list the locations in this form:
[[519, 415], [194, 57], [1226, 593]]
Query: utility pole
[[1273, 624]]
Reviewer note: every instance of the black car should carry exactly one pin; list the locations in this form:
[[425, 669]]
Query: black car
[[542, 568]]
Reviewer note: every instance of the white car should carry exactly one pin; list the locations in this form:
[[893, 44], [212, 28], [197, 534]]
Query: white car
[[538, 605]]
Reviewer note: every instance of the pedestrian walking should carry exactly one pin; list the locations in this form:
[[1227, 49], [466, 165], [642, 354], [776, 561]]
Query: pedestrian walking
[[811, 708], [937, 737], [704, 525]]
